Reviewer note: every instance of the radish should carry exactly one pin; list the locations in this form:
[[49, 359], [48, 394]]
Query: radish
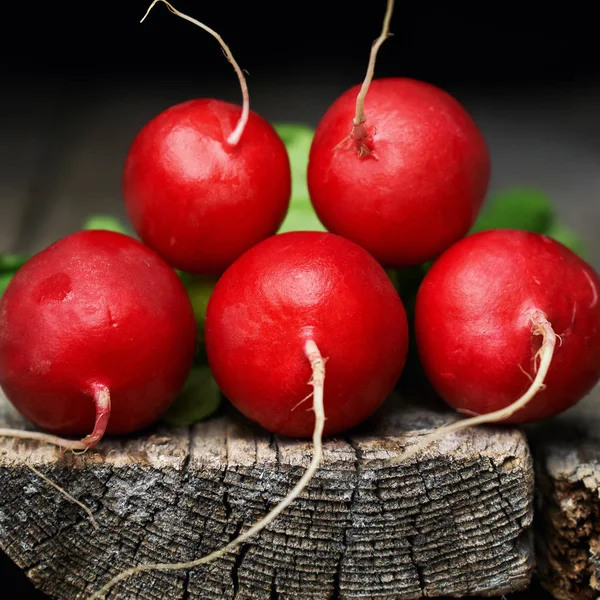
[[402, 171], [276, 315], [97, 334], [507, 324], [205, 180], [294, 287]]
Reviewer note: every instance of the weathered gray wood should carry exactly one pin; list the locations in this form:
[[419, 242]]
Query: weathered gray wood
[[455, 521], [568, 517]]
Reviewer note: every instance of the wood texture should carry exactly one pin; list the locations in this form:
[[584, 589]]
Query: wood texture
[[453, 521], [568, 516]]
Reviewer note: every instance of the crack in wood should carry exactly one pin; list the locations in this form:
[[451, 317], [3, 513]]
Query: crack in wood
[[239, 559]]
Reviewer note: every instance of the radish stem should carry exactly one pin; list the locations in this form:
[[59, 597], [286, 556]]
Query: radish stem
[[101, 396], [541, 326], [317, 382], [236, 134], [359, 131]]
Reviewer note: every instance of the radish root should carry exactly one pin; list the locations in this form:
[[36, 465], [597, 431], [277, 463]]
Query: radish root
[[317, 382], [101, 397], [360, 135], [236, 134], [541, 326], [66, 494]]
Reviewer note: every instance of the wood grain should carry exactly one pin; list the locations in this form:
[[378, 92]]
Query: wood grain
[[453, 521], [568, 517]]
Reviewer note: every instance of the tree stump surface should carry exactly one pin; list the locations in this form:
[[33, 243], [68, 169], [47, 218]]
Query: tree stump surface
[[567, 458], [454, 520]]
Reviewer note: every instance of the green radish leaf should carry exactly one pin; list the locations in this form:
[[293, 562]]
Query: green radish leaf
[[301, 219], [517, 208], [301, 215], [106, 222], [297, 139], [530, 210], [198, 400], [199, 289], [570, 238], [4, 281], [11, 263]]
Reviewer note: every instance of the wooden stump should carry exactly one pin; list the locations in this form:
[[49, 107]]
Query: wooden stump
[[568, 517], [453, 521]]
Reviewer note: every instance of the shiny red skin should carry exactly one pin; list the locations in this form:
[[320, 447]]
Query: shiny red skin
[[193, 198], [423, 186], [473, 328], [96, 307], [298, 286]]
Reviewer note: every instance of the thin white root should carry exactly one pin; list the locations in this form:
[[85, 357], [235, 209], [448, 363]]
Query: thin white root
[[236, 134], [307, 397], [101, 397], [541, 326], [66, 494], [524, 373], [359, 117], [317, 381]]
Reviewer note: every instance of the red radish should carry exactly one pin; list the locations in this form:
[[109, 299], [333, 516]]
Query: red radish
[[205, 180], [271, 315], [288, 289], [406, 182], [507, 324], [96, 334]]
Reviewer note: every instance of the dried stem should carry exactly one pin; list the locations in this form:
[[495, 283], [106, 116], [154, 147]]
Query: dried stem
[[541, 326], [359, 117], [317, 381], [236, 134]]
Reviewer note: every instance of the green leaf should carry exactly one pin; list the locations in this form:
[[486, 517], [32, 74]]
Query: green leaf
[[105, 222], [301, 219], [517, 208], [570, 238], [528, 209], [198, 400], [301, 215], [11, 263], [199, 289], [297, 139], [4, 281]]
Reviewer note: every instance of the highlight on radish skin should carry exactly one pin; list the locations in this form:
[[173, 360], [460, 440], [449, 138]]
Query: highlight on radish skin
[[97, 334], [507, 324], [411, 177], [195, 168], [275, 316]]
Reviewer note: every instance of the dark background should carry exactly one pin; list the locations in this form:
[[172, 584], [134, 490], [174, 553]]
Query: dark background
[[77, 82], [484, 44]]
